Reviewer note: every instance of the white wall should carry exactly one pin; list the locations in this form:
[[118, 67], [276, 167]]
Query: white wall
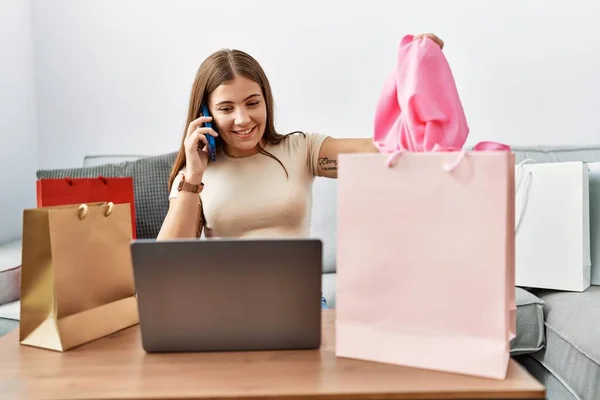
[[18, 139], [114, 76]]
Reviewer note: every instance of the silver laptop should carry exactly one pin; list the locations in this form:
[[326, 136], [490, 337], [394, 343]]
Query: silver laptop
[[228, 295]]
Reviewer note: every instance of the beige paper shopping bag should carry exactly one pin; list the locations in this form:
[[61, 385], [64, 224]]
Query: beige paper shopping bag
[[77, 277], [425, 260]]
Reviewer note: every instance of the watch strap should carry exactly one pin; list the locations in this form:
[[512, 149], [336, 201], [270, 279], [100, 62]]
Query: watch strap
[[189, 187]]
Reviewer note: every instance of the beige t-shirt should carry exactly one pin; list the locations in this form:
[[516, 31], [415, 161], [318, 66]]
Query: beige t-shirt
[[252, 197]]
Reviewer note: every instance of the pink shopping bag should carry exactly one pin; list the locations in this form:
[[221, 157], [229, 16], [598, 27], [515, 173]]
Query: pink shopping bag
[[425, 260]]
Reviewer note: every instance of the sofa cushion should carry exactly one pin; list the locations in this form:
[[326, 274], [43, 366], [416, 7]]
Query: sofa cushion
[[572, 350], [7, 325], [150, 184], [557, 153], [555, 389], [95, 160], [9, 317], [328, 288], [10, 271], [11, 310], [530, 323], [323, 220]]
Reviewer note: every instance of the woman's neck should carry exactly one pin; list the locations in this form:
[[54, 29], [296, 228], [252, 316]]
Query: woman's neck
[[238, 153]]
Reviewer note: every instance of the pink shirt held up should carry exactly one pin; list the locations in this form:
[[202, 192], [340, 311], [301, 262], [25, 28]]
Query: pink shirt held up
[[419, 109]]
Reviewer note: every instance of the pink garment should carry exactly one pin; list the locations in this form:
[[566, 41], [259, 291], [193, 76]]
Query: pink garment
[[419, 109]]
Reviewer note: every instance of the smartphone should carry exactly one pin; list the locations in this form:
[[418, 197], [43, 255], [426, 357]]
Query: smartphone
[[212, 149]]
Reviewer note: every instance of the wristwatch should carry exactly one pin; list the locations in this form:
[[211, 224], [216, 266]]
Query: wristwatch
[[188, 187]]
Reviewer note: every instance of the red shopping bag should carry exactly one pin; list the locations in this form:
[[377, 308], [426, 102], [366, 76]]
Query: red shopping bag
[[64, 191]]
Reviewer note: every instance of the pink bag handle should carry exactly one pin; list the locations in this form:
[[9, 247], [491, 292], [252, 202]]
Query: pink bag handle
[[392, 158], [481, 146]]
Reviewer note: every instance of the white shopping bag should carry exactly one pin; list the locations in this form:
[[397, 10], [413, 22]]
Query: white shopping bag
[[595, 221], [552, 225]]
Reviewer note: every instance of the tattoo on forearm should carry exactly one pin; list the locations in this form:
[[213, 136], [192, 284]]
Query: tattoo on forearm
[[327, 164]]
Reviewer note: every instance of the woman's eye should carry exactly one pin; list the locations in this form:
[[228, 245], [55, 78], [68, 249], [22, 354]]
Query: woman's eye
[[253, 104], [225, 109]]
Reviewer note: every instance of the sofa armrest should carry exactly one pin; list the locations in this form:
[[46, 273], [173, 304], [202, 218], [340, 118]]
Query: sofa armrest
[[10, 271]]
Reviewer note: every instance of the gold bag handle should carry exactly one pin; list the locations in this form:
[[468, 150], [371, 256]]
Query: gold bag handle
[[84, 208]]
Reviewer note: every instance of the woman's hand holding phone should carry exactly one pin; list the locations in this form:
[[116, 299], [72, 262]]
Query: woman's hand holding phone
[[196, 149]]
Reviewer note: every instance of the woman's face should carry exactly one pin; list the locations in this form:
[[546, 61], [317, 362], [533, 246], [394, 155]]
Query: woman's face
[[239, 114]]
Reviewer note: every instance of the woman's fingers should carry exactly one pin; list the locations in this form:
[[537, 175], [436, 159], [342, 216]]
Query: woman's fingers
[[193, 141], [196, 123], [202, 138], [207, 131]]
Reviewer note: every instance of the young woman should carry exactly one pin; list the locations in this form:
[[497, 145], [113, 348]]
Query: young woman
[[260, 183]]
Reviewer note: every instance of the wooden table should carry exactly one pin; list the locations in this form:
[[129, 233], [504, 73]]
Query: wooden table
[[116, 367]]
